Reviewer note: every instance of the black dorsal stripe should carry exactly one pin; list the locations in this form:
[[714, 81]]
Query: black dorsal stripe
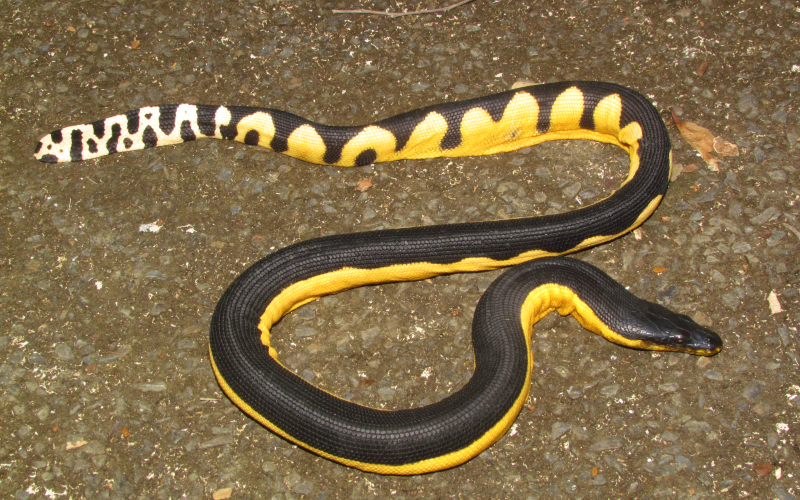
[[590, 102], [453, 113], [285, 123], [76, 148], [56, 136], [401, 126], [546, 96], [335, 139], [207, 119], [589, 105], [453, 138]]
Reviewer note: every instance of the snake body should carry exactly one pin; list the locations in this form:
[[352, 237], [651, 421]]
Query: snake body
[[457, 428]]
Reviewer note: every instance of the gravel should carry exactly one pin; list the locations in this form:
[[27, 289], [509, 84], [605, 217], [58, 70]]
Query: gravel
[[105, 380]]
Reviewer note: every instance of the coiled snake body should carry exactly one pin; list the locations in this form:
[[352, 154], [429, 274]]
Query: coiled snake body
[[457, 428]]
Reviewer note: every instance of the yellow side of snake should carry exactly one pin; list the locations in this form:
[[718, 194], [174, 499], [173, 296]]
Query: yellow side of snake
[[454, 430]]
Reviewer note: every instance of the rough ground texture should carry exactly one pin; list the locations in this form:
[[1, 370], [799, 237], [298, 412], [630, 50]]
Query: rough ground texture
[[107, 390]]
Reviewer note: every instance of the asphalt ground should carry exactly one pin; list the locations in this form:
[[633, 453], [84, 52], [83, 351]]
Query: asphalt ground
[[107, 389]]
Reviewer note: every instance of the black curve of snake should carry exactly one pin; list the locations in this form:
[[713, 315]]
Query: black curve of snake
[[460, 426]]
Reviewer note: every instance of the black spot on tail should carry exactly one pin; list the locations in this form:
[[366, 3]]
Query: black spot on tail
[[49, 159], [127, 142], [133, 121], [92, 146], [38, 147], [111, 144], [76, 149], [251, 138], [99, 128], [149, 137], [187, 134], [56, 136], [228, 131], [279, 145], [166, 118], [366, 157]]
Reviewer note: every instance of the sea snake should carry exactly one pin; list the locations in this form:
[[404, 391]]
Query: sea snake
[[460, 426]]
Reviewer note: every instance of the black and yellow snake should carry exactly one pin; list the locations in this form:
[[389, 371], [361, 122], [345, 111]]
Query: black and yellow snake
[[457, 428]]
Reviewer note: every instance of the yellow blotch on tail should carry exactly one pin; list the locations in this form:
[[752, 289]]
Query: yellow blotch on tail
[[607, 115], [260, 122], [426, 138], [630, 136], [481, 135], [304, 143], [567, 111], [372, 137]]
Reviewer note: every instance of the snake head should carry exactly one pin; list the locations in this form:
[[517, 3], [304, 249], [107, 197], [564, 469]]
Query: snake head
[[669, 331]]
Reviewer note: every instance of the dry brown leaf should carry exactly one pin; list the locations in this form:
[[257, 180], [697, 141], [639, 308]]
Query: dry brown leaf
[[659, 270], [701, 70], [364, 184], [763, 469], [135, 43], [71, 29], [222, 494], [725, 148], [700, 138], [692, 167]]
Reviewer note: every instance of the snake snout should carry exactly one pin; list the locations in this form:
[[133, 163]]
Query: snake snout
[[695, 338], [678, 332]]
